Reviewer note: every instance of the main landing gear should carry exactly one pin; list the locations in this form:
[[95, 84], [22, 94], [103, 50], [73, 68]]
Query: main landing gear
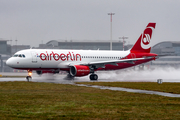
[[29, 78], [93, 76]]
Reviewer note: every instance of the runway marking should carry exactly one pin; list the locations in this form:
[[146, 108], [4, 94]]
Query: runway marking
[[131, 90]]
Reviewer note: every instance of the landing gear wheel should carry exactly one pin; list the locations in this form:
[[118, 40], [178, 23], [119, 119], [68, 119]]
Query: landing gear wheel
[[93, 77], [28, 78]]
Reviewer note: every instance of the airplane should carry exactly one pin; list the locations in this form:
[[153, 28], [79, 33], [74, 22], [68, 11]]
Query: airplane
[[79, 63]]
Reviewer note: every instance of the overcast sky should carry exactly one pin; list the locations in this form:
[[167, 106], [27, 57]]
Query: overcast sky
[[36, 21]]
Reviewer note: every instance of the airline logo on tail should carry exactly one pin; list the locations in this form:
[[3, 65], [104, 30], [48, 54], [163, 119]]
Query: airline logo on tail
[[146, 37], [143, 43]]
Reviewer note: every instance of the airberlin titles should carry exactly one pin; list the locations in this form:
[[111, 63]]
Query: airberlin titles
[[62, 56]]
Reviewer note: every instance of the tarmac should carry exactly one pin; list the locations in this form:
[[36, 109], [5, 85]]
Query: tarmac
[[59, 79]]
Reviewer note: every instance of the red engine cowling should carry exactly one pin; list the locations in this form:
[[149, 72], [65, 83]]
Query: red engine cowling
[[79, 70]]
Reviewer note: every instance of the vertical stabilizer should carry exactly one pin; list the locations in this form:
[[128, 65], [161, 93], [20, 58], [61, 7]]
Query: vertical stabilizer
[[143, 43]]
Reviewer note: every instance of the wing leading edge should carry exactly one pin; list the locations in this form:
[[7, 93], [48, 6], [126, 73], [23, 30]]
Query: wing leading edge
[[113, 62]]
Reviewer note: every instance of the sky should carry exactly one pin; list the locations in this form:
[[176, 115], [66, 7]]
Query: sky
[[33, 22]]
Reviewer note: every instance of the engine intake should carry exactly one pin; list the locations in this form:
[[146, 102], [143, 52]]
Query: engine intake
[[79, 70]]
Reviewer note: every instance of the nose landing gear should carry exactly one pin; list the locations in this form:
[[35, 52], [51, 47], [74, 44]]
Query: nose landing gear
[[29, 78]]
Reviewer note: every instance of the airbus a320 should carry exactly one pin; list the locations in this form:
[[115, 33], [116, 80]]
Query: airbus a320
[[80, 63]]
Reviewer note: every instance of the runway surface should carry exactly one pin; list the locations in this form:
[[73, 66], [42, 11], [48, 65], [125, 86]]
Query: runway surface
[[59, 79]]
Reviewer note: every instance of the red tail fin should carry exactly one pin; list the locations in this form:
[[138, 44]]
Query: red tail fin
[[143, 43]]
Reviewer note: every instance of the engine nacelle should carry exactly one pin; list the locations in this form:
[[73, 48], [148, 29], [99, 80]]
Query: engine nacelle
[[79, 70]]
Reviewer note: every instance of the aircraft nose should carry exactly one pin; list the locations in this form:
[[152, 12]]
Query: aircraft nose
[[9, 62]]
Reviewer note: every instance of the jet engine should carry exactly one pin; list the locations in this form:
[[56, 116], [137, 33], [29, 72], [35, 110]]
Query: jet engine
[[79, 70]]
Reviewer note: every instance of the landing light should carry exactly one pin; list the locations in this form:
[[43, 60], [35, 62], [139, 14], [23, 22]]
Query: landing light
[[30, 73]]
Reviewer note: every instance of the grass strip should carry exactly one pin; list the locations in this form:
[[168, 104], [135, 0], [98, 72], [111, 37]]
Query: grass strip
[[30, 100]]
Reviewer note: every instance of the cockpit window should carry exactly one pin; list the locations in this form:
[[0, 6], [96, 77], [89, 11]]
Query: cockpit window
[[15, 55], [19, 55]]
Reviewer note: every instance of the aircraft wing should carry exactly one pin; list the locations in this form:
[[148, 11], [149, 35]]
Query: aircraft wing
[[114, 62]]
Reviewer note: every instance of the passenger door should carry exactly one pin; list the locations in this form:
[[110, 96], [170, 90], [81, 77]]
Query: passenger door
[[34, 57]]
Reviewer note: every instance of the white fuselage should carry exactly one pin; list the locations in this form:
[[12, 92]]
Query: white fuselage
[[52, 58]]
